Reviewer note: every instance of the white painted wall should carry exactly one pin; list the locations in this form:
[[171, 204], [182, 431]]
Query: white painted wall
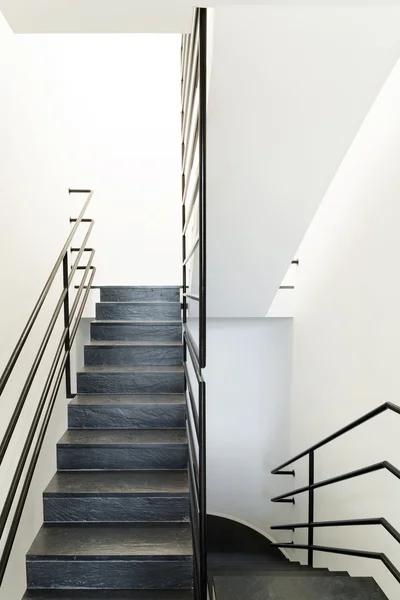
[[346, 337], [119, 98], [248, 397], [290, 87], [34, 225]]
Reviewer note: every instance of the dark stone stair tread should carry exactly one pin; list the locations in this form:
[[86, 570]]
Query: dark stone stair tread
[[123, 437], [140, 287], [108, 595], [274, 571], [297, 588], [137, 322], [103, 542], [145, 302], [127, 399], [113, 369], [102, 483], [132, 344]]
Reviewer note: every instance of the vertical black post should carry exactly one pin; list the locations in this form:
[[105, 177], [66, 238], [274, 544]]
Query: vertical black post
[[202, 491], [202, 181], [311, 481], [184, 278], [67, 326]]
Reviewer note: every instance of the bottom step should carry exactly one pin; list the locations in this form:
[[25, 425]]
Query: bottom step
[[108, 595], [113, 557], [297, 588]]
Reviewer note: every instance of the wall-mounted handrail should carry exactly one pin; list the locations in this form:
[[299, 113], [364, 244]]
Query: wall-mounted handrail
[[311, 524], [350, 475], [343, 523], [370, 415], [58, 369], [42, 297], [349, 552]]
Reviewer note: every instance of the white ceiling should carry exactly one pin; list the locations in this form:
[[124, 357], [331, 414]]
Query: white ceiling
[[128, 16], [98, 16]]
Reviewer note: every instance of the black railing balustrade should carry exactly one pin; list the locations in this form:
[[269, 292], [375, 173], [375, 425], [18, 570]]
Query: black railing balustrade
[[311, 524], [59, 368], [194, 99]]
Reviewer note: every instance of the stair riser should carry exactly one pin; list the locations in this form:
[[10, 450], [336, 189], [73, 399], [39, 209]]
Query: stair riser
[[156, 416], [133, 509], [139, 294], [136, 333], [131, 355], [160, 457], [156, 312], [130, 383], [106, 574]]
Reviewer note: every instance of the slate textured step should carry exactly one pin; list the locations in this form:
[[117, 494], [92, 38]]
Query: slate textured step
[[279, 572], [134, 353], [161, 311], [140, 293], [126, 411], [117, 496], [111, 557], [83, 449], [169, 331], [297, 588], [131, 380], [108, 595]]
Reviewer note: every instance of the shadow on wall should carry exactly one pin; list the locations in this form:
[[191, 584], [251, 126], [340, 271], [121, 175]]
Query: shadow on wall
[[226, 535]]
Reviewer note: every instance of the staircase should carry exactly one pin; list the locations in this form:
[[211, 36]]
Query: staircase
[[116, 514]]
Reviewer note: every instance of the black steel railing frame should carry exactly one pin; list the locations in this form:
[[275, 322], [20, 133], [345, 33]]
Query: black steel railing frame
[[194, 100], [59, 368], [311, 524]]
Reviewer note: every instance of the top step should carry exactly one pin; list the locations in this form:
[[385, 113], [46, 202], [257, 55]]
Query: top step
[[166, 293]]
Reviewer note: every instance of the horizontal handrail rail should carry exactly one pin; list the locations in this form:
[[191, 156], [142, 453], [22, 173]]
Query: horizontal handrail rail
[[35, 312], [193, 407], [192, 251], [350, 475], [194, 354], [191, 205], [343, 523], [345, 551], [368, 416], [192, 296]]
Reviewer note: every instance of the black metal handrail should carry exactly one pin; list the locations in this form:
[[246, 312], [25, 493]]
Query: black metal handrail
[[60, 366], [194, 77], [312, 486], [367, 417], [343, 523]]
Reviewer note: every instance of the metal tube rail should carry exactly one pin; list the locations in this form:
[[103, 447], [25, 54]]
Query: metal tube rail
[[370, 415], [43, 295], [31, 375], [343, 523], [350, 475], [346, 551], [32, 430], [193, 408], [39, 442]]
